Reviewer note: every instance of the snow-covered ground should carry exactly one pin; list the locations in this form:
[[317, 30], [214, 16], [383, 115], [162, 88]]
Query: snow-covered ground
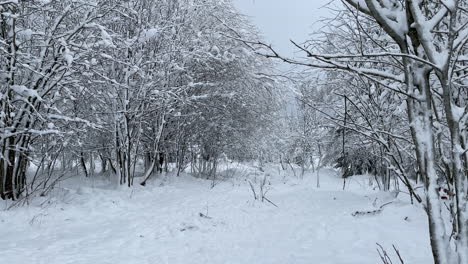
[[161, 223]]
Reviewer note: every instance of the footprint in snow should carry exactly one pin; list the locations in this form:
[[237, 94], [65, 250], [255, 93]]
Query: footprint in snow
[[186, 227]]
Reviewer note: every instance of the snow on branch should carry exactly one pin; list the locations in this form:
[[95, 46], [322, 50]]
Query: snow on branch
[[360, 5], [69, 119]]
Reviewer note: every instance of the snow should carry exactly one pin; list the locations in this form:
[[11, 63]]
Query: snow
[[150, 34], [9, 2], [25, 91], [68, 56], [106, 39], [184, 220], [69, 119], [450, 4], [26, 34], [457, 112], [45, 2]]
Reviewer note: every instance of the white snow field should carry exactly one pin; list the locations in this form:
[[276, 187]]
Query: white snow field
[[161, 223]]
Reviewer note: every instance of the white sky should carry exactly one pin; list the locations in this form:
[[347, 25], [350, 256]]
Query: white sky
[[282, 20]]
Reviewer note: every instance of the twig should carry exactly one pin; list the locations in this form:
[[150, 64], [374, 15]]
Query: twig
[[253, 190], [268, 200]]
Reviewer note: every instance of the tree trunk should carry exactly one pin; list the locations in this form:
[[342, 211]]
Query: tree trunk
[[12, 170], [421, 122], [459, 176], [83, 164]]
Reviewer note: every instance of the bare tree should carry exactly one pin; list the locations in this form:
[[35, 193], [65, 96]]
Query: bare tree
[[421, 58]]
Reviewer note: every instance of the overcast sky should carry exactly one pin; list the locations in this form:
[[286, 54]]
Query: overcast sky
[[282, 20]]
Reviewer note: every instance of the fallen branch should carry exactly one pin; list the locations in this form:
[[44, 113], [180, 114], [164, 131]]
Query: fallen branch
[[371, 212], [268, 200]]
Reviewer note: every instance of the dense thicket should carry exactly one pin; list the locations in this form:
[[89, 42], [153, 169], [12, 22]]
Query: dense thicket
[[130, 85]]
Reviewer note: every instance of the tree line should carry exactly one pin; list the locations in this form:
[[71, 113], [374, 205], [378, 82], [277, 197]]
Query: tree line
[[392, 96], [120, 83]]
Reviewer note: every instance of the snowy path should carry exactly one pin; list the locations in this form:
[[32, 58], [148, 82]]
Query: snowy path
[[162, 225]]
